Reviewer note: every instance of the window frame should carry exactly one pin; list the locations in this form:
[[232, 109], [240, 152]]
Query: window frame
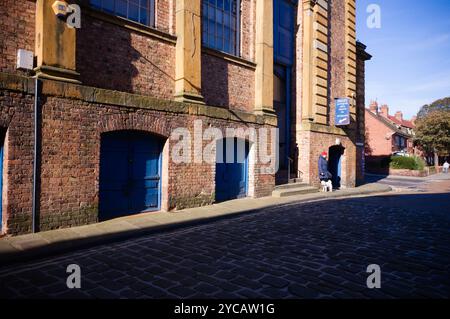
[[151, 11], [236, 51]]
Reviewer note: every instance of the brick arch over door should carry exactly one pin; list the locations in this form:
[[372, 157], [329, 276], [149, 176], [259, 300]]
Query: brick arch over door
[[135, 121], [138, 122]]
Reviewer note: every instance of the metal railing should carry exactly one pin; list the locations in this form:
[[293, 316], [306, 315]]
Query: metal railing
[[299, 172]]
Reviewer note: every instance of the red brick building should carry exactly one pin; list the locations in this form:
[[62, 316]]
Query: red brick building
[[111, 94], [387, 134]]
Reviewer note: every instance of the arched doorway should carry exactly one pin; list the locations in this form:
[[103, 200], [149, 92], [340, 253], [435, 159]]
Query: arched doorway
[[335, 153], [231, 169], [130, 173]]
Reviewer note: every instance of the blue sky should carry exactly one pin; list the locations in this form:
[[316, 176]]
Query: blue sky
[[411, 53]]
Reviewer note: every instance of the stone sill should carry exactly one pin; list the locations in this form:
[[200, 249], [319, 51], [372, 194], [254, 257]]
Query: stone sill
[[229, 57], [89, 94], [130, 25]]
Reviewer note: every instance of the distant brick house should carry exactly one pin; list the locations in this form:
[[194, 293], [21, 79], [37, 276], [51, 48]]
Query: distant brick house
[[387, 134], [110, 95]]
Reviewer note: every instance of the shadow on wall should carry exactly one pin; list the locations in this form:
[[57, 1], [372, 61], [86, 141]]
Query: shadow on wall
[[215, 85], [106, 61], [109, 58]]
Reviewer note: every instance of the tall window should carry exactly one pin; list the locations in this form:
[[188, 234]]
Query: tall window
[[141, 11], [220, 23]]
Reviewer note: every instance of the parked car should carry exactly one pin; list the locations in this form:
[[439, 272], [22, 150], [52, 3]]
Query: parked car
[[400, 153]]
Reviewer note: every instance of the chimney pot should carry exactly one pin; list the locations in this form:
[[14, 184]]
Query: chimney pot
[[399, 115], [373, 107], [384, 110]]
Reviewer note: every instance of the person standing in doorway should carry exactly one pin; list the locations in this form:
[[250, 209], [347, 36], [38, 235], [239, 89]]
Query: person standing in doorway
[[324, 175]]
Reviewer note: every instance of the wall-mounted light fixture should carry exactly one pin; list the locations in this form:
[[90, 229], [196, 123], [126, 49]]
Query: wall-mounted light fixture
[[71, 11], [60, 8]]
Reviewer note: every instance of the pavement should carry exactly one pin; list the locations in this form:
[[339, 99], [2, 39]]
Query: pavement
[[309, 248], [48, 243], [408, 183]]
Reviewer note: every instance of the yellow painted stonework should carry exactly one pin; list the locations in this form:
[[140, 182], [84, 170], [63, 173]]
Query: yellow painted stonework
[[55, 45], [264, 57], [315, 62], [188, 81]]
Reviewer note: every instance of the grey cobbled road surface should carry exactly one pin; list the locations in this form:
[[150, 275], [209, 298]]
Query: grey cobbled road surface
[[310, 250]]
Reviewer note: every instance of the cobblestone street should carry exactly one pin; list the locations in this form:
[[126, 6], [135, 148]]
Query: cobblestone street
[[313, 250]]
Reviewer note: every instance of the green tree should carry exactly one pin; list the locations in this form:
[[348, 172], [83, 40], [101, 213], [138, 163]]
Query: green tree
[[433, 132], [438, 105]]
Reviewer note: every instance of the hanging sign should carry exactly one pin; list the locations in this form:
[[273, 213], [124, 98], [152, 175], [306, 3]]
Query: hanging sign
[[342, 112]]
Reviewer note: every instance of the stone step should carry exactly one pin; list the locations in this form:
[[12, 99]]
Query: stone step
[[294, 191], [291, 185]]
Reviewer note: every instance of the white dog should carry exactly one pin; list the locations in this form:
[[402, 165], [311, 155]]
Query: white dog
[[327, 186]]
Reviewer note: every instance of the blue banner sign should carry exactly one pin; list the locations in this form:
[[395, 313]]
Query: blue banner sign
[[342, 114]]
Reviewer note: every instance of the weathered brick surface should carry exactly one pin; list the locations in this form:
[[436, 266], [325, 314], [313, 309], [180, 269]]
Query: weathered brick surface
[[112, 57], [69, 178], [17, 25], [336, 54], [227, 84], [312, 144], [115, 57], [248, 16], [361, 118], [16, 117], [378, 136], [165, 15]]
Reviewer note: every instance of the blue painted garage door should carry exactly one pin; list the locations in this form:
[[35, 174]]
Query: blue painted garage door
[[231, 170], [130, 173]]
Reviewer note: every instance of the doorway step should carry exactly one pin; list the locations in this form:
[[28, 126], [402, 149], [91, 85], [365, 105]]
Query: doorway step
[[293, 189]]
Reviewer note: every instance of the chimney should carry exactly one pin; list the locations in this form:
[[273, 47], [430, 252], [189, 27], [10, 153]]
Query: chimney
[[384, 110], [373, 107], [399, 116]]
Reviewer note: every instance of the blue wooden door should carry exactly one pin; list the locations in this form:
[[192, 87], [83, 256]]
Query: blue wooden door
[[334, 164], [130, 178], [231, 170]]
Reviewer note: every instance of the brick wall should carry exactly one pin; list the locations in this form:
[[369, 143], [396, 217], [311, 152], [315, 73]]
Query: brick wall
[[248, 14], [378, 137], [312, 144], [165, 15], [113, 57], [360, 113], [336, 55], [70, 155], [16, 117], [227, 84], [17, 25]]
